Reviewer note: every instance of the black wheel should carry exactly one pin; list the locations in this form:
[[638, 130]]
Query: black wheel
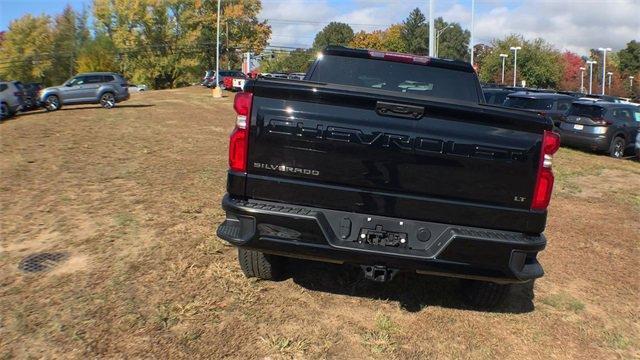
[[107, 100], [260, 265], [616, 150], [484, 294], [4, 111], [51, 103]]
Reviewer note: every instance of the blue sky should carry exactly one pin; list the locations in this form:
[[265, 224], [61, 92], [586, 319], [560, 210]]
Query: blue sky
[[575, 25]]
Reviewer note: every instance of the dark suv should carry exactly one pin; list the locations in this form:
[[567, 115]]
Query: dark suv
[[496, 96], [551, 105], [601, 126]]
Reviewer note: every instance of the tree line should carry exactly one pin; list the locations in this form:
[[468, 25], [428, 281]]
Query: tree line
[[164, 44], [540, 64], [169, 43]]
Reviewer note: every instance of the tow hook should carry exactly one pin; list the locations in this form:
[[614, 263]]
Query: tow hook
[[378, 273]]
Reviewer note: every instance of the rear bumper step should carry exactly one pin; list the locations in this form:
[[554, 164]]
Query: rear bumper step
[[381, 242]]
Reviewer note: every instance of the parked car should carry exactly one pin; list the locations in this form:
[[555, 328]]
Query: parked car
[[11, 98], [297, 76], [607, 98], [276, 75], [104, 88], [550, 105], [601, 126], [495, 96], [575, 94], [391, 162], [235, 82], [208, 74], [638, 145], [211, 82], [31, 91], [137, 87]]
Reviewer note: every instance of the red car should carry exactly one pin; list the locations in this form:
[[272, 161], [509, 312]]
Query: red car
[[235, 82]]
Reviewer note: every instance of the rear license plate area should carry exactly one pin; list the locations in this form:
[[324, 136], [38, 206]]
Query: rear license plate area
[[380, 237], [578, 127]]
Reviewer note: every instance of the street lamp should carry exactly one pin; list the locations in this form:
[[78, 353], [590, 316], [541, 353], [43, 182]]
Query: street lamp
[[591, 62], [438, 33], [582, 69], [515, 61], [631, 82], [604, 64], [217, 92], [504, 57], [609, 73]]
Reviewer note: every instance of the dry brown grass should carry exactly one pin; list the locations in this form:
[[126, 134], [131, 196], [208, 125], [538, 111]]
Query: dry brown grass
[[132, 195]]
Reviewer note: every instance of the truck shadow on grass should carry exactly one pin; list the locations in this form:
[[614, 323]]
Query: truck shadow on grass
[[413, 292]]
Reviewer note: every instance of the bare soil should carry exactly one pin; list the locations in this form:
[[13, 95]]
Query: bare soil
[[132, 196]]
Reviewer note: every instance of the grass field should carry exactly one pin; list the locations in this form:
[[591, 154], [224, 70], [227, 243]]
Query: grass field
[[131, 197]]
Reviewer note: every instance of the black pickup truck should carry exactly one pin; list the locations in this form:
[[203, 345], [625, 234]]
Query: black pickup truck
[[392, 162]]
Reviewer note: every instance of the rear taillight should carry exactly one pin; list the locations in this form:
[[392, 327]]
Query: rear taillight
[[544, 180], [601, 121], [239, 141]]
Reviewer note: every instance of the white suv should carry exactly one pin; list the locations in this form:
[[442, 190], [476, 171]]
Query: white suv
[[10, 98]]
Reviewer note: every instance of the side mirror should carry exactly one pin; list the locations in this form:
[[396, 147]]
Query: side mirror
[[68, 84]]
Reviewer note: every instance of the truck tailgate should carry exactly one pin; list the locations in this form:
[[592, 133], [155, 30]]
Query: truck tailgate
[[372, 152]]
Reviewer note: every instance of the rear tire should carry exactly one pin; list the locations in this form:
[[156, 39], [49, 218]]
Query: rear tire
[[4, 111], [260, 265], [107, 100], [616, 149], [52, 103], [484, 294]]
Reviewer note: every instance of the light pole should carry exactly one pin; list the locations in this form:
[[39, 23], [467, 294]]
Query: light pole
[[604, 64], [591, 62], [609, 73], [631, 83], [504, 57], [432, 30], [515, 61], [473, 10], [438, 39], [582, 69], [217, 92]]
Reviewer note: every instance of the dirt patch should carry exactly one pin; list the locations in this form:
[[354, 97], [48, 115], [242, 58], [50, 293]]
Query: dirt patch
[[132, 194]]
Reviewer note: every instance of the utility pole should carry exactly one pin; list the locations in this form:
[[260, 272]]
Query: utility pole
[[631, 83], [609, 73], [504, 57], [582, 69], [432, 26], [217, 92], [473, 8], [515, 61], [604, 64], [591, 62], [438, 39]]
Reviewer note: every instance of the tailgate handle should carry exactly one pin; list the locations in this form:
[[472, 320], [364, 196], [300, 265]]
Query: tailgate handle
[[399, 110]]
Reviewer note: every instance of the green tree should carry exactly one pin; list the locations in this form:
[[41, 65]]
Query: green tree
[[65, 45], [389, 39], [296, 61], [335, 33], [415, 33], [98, 54], [539, 64], [26, 49], [453, 42], [168, 43], [393, 40], [630, 57]]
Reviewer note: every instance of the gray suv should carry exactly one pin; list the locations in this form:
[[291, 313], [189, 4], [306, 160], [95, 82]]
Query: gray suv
[[104, 88]]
